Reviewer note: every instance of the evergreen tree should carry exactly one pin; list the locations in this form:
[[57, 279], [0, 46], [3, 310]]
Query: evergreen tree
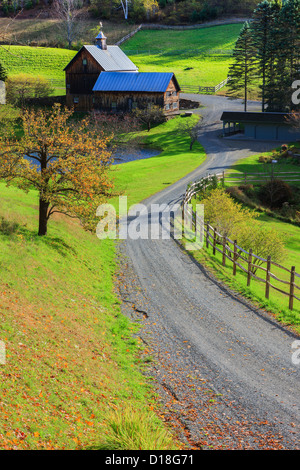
[[261, 26], [243, 70], [3, 73], [276, 96], [291, 34]]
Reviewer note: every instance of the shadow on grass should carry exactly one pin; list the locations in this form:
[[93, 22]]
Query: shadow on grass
[[11, 229]]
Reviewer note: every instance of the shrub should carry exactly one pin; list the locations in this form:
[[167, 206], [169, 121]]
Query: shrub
[[274, 193], [238, 223], [22, 87]]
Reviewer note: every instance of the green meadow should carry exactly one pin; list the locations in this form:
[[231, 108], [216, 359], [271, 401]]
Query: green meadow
[[142, 178], [193, 55], [45, 61]]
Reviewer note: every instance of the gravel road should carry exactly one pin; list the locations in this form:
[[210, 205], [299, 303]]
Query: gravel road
[[221, 367]]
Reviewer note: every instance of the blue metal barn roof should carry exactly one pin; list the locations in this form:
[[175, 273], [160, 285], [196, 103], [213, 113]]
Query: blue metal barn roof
[[133, 81]]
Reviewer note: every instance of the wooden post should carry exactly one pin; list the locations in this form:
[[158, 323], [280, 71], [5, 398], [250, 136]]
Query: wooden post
[[249, 267], [207, 235], [292, 288], [215, 241], [267, 295], [245, 177], [224, 251], [234, 257]]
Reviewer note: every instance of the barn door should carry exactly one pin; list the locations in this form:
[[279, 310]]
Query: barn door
[[129, 104]]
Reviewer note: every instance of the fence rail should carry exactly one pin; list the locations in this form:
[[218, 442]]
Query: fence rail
[[203, 89], [247, 261]]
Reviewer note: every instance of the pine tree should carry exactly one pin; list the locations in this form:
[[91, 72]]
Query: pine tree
[[276, 72], [243, 70], [291, 34], [261, 26], [3, 73]]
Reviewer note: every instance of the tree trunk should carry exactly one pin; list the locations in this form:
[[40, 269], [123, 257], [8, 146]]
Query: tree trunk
[[43, 219]]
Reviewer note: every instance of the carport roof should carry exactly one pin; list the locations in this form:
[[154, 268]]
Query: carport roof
[[273, 118]]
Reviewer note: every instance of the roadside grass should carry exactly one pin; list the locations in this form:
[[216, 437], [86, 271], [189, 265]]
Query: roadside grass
[[72, 358], [186, 53], [278, 303], [140, 179]]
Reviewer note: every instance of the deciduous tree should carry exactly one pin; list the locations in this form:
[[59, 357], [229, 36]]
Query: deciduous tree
[[66, 162]]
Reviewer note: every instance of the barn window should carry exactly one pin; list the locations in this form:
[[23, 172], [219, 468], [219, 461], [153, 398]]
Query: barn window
[[76, 100], [84, 62], [175, 105], [167, 106], [113, 105], [169, 93]]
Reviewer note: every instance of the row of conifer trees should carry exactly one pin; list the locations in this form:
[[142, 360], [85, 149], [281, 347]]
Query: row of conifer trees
[[267, 54]]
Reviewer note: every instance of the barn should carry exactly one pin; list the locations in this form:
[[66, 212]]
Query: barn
[[85, 68], [126, 91], [102, 77]]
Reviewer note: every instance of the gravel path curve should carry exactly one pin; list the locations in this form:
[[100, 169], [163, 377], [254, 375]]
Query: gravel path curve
[[221, 367]]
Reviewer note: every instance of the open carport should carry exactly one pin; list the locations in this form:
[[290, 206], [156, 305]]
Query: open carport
[[259, 126]]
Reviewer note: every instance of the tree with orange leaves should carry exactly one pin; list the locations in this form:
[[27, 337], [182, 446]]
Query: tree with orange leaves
[[65, 160]]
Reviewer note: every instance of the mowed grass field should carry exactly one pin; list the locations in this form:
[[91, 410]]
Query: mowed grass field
[[46, 61], [193, 55], [186, 53]]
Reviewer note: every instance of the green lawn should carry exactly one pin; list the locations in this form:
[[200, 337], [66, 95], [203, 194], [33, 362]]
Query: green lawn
[[45, 61], [186, 53], [142, 178]]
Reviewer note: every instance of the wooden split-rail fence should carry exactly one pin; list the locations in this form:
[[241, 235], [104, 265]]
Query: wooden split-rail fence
[[203, 89], [247, 261]]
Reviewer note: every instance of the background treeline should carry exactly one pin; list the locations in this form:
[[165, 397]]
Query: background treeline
[[267, 52], [164, 11]]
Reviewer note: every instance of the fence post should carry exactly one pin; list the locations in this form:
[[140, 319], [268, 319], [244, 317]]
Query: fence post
[[215, 241], [234, 257], [249, 267], [267, 295], [291, 296], [207, 235], [245, 178], [224, 251]]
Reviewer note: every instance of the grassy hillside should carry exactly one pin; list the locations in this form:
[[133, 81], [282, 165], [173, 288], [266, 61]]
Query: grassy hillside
[[193, 55], [186, 53], [48, 62], [73, 365]]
